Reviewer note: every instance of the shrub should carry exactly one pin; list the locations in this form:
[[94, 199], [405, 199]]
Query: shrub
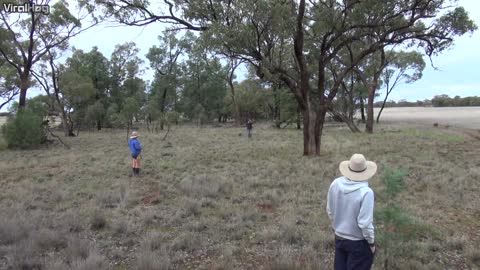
[[120, 227], [393, 180], [150, 260], [72, 222], [187, 242], [94, 261], [77, 250], [473, 256], [98, 220], [25, 256], [24, 130], [152, 253], [49, 240], [11, 231]]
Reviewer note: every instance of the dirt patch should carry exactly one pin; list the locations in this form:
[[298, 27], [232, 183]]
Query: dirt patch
[[266, 208], [151, 198]]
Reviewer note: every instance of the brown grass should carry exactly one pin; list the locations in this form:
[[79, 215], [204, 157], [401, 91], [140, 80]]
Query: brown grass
[[460, 117], [216, 200]]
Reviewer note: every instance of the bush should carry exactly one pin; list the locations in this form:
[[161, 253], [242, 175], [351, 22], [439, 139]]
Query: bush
[[98, 220], [393, 180], [24, 130]]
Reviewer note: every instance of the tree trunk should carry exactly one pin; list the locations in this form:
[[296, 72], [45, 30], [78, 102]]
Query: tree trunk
[[371, 96], [162, 108], [235, 105], [99, 125], [362, 109], [383, 106], [309, 147], [64, 123], [312, 130], [299, 123], [351, 108], [22, 102], [350, 123]]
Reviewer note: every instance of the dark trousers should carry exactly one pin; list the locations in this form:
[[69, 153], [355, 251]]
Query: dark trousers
[[352, 255]]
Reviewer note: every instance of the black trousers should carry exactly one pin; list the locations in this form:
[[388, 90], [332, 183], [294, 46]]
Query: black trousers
[[352, 255]]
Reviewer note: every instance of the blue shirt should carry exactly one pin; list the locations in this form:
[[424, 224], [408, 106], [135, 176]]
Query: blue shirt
[[135, 146]]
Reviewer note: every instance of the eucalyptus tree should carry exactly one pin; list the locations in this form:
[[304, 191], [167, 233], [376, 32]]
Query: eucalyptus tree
[[95, 66], [130, 108], [8, 83], [47, 75], [203, 83], [26, 37], [77, 92], [125, 69], [164, 59], [403, 67], [369, 72], [232, 65], [317, 31]]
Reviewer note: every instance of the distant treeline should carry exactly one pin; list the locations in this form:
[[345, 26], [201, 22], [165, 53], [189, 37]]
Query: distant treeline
[[437, 101]]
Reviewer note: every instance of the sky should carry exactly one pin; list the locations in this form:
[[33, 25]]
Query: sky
[[458, 68], [457, 72]]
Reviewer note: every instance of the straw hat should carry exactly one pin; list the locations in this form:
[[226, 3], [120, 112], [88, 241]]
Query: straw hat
[[358, 168], [134, 134]]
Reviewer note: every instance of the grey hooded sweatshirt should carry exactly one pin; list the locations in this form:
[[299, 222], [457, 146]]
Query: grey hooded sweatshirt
[[350, 208]]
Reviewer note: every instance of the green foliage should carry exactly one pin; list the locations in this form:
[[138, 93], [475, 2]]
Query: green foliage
[[393, 181], [200, 115], [287, 106], [113, 117], [24, 130], [397, 231], [446, 101], [130, 108], [8, 82], [172, 117], [124, 70], [44, 34], [77, 89], [251, 98], [95, 112]]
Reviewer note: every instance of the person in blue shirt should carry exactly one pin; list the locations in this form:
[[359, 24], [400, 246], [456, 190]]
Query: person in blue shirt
[[136, 150]]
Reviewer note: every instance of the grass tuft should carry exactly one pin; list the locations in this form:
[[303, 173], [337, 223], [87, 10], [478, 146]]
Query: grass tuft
[[98, 220]]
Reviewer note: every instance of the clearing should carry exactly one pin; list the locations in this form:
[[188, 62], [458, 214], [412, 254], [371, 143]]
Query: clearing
[[210, 198]]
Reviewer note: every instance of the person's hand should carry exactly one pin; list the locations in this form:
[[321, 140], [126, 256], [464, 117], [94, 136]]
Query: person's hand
[[373, 249]]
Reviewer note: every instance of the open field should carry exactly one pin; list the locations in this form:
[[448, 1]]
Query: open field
[[211, 199], [462, 117]]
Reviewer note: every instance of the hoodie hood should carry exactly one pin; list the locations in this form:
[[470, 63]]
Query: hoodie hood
[[348, 186]]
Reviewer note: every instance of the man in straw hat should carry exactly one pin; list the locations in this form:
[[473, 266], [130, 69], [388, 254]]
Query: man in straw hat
[[136, 150], [350, 208]]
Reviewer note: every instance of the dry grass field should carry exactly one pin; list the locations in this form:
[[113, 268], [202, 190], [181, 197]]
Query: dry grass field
[[211, 199], [461, 117]]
